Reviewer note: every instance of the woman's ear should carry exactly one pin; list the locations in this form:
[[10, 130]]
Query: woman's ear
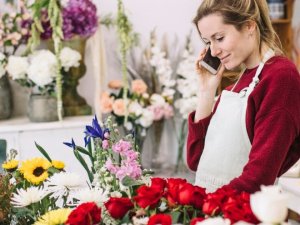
[[250, 27]]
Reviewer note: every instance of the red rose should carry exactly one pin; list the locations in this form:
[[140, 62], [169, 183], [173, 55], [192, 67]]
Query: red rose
[[191, 195], [86, 213], [173, 185], [158, 183], [196, 220], [148, 196], [161, 219], [118, 207], [211, 207]]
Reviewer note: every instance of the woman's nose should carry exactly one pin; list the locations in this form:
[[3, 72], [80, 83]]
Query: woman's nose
[[214, 50]]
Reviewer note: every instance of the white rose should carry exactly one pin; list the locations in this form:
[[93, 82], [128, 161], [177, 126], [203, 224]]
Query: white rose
[[269, 205], [147, 118], [157, 100], [135, 108], [69, 58], [17, 67], [214, 221]]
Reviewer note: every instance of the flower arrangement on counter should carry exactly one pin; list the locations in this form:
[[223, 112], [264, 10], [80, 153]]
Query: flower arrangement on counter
[[38, 70], [41, 192]]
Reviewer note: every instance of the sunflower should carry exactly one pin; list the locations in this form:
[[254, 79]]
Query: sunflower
[[11, 165], [35, 170], [58, 164], [54, 217]]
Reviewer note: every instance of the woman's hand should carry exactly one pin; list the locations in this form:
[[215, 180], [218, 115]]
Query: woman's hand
[[207, 81], [208, 87]]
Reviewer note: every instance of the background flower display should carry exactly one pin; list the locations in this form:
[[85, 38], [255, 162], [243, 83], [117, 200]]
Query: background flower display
[[38, 70], [187, 84], [119, 193]]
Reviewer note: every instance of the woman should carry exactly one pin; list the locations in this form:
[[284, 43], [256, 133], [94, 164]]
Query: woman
[[253, 134]]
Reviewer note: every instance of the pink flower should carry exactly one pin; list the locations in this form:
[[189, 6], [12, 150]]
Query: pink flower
[[106, 103], [119, 107], [158, 112], [168, 111], [105, 144], [110, 166], [121, 146], [138, 86]]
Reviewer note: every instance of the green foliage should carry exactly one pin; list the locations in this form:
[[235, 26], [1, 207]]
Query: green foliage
[[5, 194]]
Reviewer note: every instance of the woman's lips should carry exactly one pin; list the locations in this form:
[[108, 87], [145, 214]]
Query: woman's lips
[[224, 59]]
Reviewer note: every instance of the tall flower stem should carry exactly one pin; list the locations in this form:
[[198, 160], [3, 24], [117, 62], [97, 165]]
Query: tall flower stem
[[127, 40]]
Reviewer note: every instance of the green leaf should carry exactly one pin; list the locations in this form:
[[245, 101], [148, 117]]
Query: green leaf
[[85, 166], [83, 150], [175, 216], [129, 182], [43, 151]]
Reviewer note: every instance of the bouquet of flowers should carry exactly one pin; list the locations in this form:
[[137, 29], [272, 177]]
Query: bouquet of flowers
[[38, 70], [119, 192]]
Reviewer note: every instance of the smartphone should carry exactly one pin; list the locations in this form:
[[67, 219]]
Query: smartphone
[[212, 64]]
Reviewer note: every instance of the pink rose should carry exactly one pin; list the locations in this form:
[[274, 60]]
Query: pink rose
[[106, 103], [119, 107]]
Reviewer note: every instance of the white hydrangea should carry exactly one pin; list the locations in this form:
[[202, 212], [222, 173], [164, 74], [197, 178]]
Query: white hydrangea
[[69, 58], [42, 69], [135, 108], [17, 67]]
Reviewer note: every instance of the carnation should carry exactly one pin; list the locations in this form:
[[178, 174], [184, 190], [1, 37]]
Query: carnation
[[69, 58], [17, 67]]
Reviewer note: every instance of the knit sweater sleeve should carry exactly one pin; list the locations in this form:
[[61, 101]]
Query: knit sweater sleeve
[[276, 126], [195, 140]]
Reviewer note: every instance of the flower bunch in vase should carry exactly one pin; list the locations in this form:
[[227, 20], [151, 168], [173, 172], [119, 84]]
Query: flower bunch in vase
[[187, 83], [38, 71], [14, 32], [79, 22]]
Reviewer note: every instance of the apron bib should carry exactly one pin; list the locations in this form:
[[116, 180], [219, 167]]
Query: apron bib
[[227, 145]]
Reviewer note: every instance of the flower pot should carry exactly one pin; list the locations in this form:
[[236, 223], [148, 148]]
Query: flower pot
[[5, 98], [42, 108]]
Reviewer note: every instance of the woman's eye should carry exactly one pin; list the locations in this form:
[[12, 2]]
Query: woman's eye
[[220, 39]]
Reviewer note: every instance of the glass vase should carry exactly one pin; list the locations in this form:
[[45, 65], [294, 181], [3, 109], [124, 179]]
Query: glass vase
[[155, 132]]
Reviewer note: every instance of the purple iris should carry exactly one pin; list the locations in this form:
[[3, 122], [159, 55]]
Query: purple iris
[[71, 144], [94, 131]]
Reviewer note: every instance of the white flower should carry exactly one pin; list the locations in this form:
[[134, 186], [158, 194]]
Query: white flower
[[186, 106], [17, 67], [26, 197], [157, 100], [69, 58], [97, 195], [146, 119], [61, 184], [214, 221], [140, 221], [135, 108], [269, 205], [115, 194], [42, 69], [163, 206]]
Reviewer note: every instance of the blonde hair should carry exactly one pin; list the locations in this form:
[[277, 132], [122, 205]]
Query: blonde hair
[[238, 13]]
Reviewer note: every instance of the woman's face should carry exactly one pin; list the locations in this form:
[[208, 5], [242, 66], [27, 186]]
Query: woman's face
[[231, 46]]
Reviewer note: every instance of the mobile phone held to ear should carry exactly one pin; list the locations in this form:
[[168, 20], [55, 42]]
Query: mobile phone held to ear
[[212, 64]]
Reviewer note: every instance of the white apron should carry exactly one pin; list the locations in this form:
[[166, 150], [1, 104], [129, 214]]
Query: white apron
[[227, 145]]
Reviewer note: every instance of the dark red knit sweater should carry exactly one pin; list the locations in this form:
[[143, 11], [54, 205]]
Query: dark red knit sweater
[[272, 121]]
